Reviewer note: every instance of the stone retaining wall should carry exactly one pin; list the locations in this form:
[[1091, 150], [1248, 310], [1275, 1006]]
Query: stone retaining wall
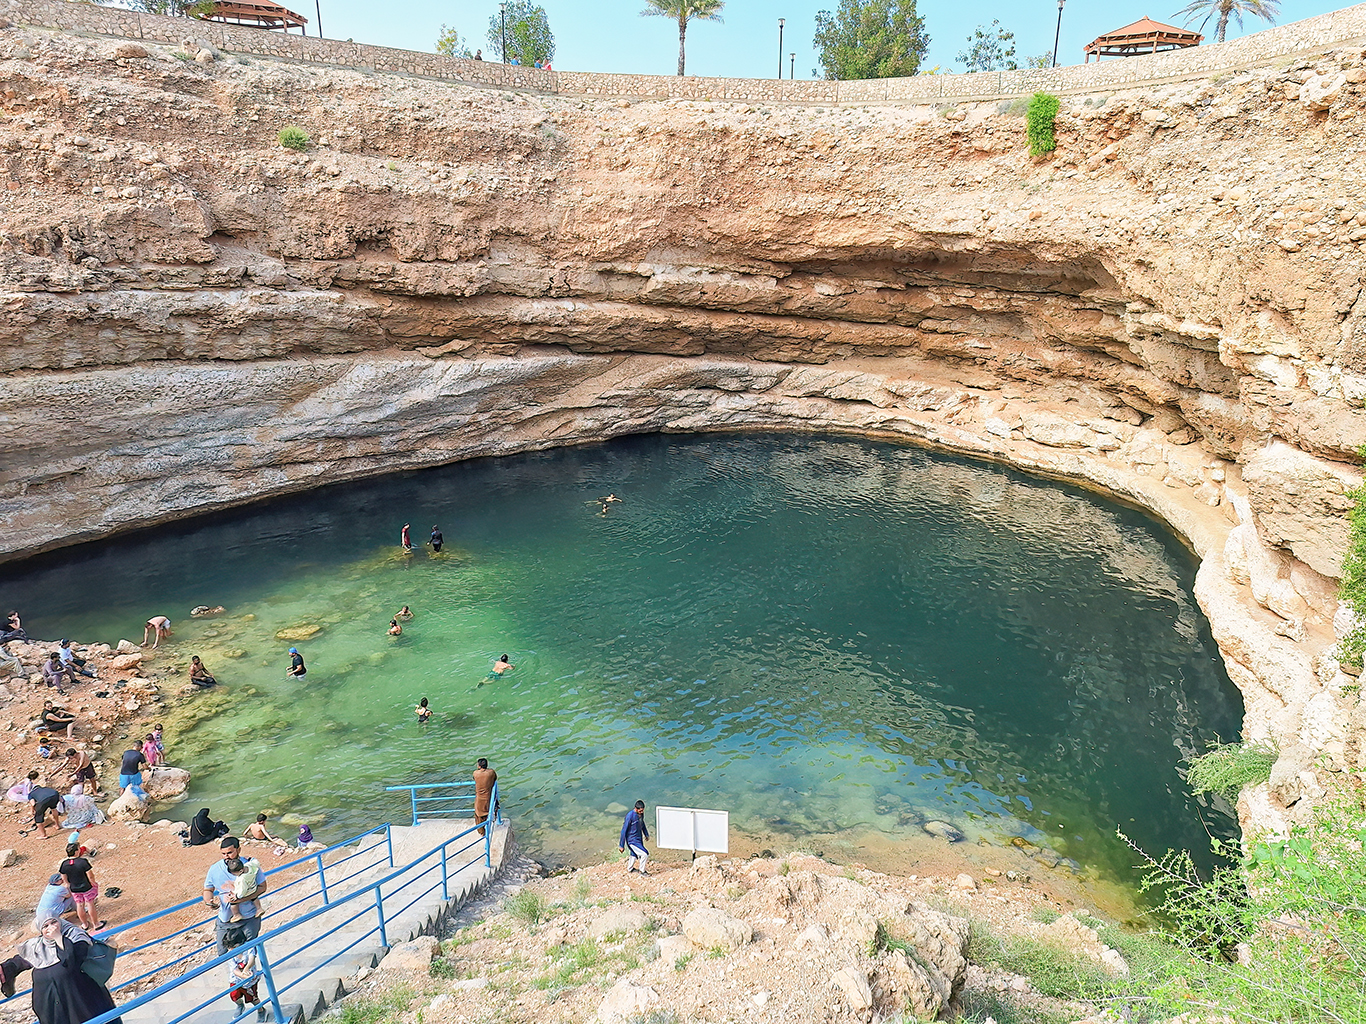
[[1337, 28]]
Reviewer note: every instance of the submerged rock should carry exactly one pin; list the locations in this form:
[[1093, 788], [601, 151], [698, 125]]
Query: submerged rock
[[303, 632], [943, 830]]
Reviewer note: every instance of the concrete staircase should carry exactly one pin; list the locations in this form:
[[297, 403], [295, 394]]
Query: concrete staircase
[[314, 979]]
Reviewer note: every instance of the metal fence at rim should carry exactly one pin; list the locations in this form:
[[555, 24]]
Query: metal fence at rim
[[448, 805], [367, 899]]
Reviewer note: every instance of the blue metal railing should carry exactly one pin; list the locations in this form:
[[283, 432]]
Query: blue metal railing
[[372, 898], [384, 842], [459, 804]]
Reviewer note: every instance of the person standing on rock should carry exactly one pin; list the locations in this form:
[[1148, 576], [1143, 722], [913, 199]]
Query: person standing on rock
[[80, 877], [634, 832], [436, 540], [296, 669], [484, 778], [219, 891], [130, 771], [158, 625]]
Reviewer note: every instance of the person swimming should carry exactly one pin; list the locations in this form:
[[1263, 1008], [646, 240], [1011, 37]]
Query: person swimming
[[606, 503], [404, 614], [394, 628], [502, 665], [423, 712]]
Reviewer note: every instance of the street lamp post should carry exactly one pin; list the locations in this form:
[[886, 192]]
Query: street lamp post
[[503, 28], [781, 22], [318, 5], [1058, 34], [792, 65]]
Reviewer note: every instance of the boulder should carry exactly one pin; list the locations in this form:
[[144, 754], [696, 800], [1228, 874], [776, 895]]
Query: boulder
[[130, 51], [1320, 92], [940, 941], [943, 830], [125, 647], [1056, 432], [902, 986], [709, 928], [625, 1001], [619, 920], [163, 783], [128, 807], [853, 985], [411, 956], [305, 631], [203, 611], [125, 662], [965, 883], [8, 858]]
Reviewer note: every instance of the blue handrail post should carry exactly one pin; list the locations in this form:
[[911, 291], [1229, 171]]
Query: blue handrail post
[[270, 982], [497, 807], [445, 889], [414, 795], [322, 880], [379, 909], [389, 838]]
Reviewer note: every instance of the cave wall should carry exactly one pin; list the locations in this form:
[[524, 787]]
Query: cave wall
[[1170, 308]]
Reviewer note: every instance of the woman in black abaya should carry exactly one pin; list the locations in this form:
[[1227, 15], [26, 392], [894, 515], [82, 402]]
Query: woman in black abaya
[[62, 992]]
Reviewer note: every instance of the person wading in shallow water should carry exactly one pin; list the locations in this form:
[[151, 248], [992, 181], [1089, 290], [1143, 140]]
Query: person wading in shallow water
[[296, 669], [406, 538], [436, 540]]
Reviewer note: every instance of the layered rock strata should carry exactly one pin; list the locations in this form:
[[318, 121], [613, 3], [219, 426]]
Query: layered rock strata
[[1170, 308]]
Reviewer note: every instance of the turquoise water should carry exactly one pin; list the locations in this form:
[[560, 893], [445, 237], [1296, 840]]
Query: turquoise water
[[831, 638]]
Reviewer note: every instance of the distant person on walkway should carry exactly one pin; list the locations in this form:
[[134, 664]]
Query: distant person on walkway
[[484, 778], [296, 664], [54, 672], [58, 719], [257, 830], [406, 538], [634, 832], [424, 713], [74, 666], [220, 885], [130, 771], [82, 770], [394, 628], [502, 665], [404, 613], [80, 877], [199, 675], [158, 625], [436, 540], [478, 54], [62, 992]]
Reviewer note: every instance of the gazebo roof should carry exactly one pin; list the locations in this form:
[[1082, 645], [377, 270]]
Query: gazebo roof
[[255, 12], [1143, 36]]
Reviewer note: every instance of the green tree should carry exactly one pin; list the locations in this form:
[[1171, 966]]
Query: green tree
[[990, 49], [450, 43], [529, 38], [871, 39], [175, 8], [683, 11], [1041, 60], [1225, 9]]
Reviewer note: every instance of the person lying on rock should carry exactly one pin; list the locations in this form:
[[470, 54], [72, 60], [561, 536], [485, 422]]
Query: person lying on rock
[[57, 719]]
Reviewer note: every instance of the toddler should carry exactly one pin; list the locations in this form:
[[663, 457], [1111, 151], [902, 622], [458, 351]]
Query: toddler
[[245, 884], [243, 975]]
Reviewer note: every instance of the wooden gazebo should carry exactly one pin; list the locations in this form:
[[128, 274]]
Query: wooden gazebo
[[1143, 36], [256, 13]]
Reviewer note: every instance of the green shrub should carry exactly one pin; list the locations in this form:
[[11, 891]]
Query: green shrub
[[1353, 589], [527, 907], [1040, 120], [1227, 769], [293, 137]]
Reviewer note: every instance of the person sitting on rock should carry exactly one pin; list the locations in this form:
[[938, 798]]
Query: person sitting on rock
[[54, 672], [199, 675], [8, 662], [257, 830], [57, 719], [74, 666]]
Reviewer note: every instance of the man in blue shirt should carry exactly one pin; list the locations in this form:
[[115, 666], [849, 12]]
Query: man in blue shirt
[[219, 892], [634, 832]]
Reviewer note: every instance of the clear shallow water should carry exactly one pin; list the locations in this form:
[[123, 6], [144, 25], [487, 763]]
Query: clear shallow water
[[829, 638]]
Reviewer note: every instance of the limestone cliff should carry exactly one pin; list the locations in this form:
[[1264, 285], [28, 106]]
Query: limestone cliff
[[1170, 308]]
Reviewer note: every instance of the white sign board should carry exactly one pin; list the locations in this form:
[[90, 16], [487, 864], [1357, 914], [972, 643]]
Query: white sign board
[[688, 828]]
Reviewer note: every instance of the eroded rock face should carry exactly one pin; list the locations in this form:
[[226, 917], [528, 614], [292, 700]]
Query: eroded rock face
[[1171, 308]]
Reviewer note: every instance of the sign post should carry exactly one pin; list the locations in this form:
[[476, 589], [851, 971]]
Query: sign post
[[692, 828]]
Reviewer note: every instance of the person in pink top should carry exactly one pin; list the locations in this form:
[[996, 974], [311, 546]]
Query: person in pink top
[[152, 751]]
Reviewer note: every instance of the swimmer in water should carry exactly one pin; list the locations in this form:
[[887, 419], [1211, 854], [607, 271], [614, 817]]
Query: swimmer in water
[[424, 713], [394, 628], [606, 503], [404, 614], [502, 665]]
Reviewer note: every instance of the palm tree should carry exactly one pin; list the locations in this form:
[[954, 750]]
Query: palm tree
[[684, 11], [1225, 8]]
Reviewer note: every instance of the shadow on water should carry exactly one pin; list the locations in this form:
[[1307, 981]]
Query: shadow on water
[[822, 636]]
